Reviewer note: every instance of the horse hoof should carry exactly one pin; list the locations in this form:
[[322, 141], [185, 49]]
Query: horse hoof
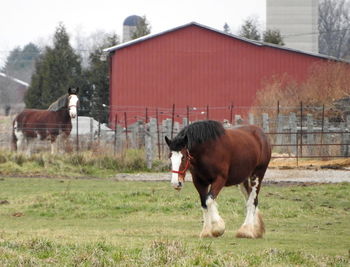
[[249, 231], [205, 233], [218, 228]]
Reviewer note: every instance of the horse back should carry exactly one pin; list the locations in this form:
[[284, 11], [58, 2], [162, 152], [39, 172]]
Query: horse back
[[251, 140], [33, 117], [36, 121]]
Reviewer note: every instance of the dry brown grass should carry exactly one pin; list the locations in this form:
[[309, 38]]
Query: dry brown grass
[[307, 163], [324, 84]]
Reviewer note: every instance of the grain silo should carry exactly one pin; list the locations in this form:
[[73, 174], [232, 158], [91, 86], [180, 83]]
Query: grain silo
[[297, 21], [129, 27]]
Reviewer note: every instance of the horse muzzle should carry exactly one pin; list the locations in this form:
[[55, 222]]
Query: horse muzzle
[[72, 114], [178, 186]]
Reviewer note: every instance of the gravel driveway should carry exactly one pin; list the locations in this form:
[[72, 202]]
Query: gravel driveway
[[272, 176]]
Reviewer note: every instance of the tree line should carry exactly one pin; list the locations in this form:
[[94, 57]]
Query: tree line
[[52, 69]]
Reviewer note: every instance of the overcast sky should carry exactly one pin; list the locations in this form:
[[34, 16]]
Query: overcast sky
[[24, 21]]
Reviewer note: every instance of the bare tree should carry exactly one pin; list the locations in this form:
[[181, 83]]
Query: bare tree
[[334, 28]]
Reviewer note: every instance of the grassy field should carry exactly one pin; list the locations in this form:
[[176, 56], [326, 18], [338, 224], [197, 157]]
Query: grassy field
[[101, 222], [85, 164]]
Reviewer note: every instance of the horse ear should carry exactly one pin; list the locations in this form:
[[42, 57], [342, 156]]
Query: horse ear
[[69, 90], [77, 90], [167, 140]]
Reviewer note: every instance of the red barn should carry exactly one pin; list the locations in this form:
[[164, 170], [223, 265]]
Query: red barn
[[196, 66]]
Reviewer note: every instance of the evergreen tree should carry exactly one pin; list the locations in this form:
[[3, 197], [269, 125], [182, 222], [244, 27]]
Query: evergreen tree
[[227, 28], [20, 62], [250, 29], [94, 99], [143, 28], [58, 69], [273, 37]]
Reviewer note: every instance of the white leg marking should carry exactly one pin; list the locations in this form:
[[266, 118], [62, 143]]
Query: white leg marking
[[250, 218], [20, 137], [217, 223], [206, 231], [253, 226], [212, 210]]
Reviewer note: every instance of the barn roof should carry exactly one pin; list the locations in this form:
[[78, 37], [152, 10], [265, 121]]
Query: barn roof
[[253, 42], [14, 79]]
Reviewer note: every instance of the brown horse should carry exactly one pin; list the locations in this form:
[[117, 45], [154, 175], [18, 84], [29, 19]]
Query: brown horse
[[216, 158], [45, 124]]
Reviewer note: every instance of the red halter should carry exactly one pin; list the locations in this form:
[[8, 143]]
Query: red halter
[[188, 158]]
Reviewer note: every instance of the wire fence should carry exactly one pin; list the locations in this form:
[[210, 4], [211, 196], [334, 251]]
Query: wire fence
[[295, 132]]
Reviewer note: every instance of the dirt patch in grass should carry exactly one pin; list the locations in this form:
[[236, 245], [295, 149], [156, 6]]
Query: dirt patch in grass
[[291, 163]]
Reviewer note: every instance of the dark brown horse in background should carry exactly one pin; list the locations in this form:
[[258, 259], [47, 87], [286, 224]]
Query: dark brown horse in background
[[45, 124], [216, 158]]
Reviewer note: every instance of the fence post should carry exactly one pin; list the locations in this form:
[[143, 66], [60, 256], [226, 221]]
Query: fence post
[[342, 141], [167, 126], [347, 136], [188, 114], [149, 147], [231, 114], [265, 122], [279, 135], [184, 122], [310, 135], [172, 121], [158, 133], [115, 133], [91, 130], [99, 127], [293, 132], [326, 136], [153, 131], [77, 133], [301, 129], [238, 119], [126, 130], [251, 118]]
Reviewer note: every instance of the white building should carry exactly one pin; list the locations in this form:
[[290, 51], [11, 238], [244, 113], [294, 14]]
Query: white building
[[297, 21]]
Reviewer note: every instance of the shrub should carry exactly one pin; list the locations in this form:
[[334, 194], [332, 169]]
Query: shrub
[[324, 85]]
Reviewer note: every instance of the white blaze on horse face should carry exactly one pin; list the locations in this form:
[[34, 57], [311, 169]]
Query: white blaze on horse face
[[176, 157], [72, 105]]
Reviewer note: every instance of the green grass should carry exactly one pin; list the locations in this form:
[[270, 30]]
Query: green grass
[[101, 222]]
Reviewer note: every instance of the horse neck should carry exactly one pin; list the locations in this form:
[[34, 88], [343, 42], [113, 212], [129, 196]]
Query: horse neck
[[63, 114]]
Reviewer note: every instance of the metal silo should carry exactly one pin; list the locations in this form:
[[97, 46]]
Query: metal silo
[[297, 20]]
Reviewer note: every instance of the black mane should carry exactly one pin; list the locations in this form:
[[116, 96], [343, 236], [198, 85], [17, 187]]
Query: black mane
[[197, 133]]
